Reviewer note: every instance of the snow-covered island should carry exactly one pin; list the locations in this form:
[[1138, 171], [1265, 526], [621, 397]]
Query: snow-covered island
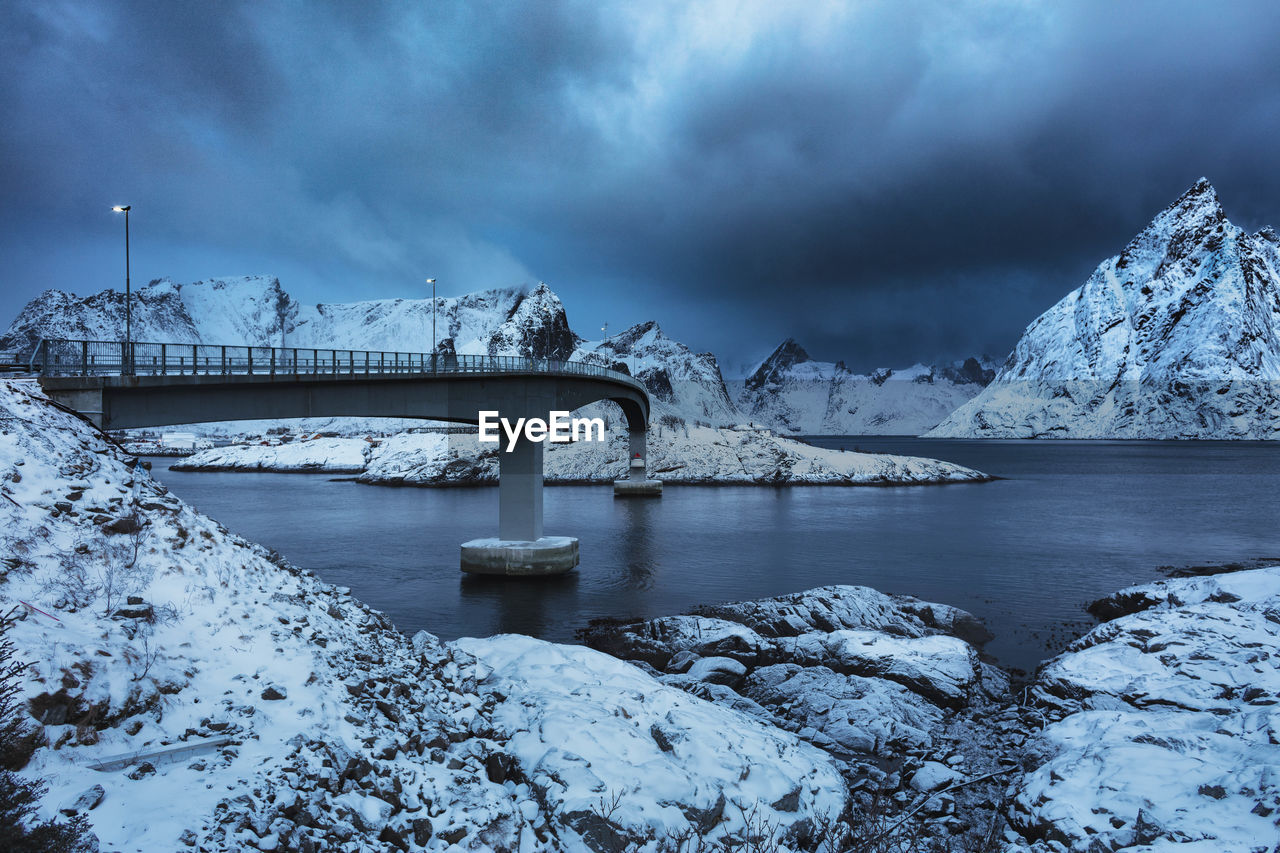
[[681, 454], [193, 691]]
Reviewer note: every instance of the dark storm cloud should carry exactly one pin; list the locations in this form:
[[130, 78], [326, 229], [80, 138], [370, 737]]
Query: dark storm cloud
[[887, 182]]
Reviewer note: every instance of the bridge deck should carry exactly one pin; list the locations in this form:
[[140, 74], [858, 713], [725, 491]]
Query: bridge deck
[[63, 357]]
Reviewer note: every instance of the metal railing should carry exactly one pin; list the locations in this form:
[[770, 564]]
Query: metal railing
[[61, 357]]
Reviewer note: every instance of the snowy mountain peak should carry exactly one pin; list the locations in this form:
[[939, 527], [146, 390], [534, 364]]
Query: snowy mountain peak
[[788, 354], [682, 383], [1178, 336], [636, 337], [536, 327], [1182, 227]]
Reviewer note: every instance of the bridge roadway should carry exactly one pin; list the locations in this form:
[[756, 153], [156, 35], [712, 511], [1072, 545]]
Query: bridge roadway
[[165, 384]]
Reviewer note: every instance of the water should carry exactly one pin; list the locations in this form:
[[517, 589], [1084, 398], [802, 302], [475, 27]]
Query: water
[[1072, 522]]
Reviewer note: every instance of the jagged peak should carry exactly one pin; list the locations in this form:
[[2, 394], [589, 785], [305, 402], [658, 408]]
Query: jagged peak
[[1185, 223], [1200, 199], [789, 352], [1268, 233]]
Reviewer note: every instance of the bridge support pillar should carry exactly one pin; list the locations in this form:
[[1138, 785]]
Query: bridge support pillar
[[520, 492], [520, 548], [637, 482]]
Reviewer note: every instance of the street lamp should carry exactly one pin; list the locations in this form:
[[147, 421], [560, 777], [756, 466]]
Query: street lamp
[[432, 282], [127, 367]]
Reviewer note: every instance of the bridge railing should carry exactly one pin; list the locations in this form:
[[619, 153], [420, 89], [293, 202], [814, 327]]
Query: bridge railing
[[63, 357]]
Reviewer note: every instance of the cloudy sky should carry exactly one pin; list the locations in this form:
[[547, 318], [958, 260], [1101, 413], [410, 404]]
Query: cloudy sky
[[885, 181]]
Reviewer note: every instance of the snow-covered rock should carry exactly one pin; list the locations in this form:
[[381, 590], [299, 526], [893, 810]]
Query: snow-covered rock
[[876, 681], [330, 455], [852, 646], [239, 703], [684, 454], [623, 759], [1167, 728], [1178, 336], [860, 716], [791, 392]]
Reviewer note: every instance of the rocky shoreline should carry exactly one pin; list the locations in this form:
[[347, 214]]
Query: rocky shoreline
[[237, 703]]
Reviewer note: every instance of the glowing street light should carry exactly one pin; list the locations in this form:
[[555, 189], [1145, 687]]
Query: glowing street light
[[127, 367]]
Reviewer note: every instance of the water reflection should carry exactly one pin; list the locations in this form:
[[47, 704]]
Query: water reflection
[[520, 605], [636, 517]]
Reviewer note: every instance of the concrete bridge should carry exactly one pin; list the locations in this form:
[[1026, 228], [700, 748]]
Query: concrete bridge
[[161, 384]]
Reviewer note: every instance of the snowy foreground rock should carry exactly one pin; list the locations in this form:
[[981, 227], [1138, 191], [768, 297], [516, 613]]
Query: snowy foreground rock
[[685, 454], [889, 685], [236, 703], [1166, 723]]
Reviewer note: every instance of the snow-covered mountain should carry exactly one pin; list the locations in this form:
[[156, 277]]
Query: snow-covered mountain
[[247, 310], [680, 382], [1178, 336], [791, 392], [509, 321]]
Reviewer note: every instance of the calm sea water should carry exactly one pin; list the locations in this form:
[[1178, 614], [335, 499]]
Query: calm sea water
[[1071, 522]]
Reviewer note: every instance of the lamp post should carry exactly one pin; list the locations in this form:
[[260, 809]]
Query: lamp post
[[432, 282], [127, 366]]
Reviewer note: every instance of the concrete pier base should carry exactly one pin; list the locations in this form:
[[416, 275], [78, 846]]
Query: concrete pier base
[[637, 482], [549, 555], [637, 488]]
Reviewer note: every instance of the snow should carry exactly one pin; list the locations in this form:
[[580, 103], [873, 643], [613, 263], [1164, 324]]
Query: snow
[[331, 455], [1178, 336], [340, 729], [1166, 724], [666, 759], [687, 454], [791, 392]]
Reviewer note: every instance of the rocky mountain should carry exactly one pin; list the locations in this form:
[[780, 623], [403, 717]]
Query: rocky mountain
[[1177, 336], [248, 310], [681, 382], [791, 392], [257, 310]]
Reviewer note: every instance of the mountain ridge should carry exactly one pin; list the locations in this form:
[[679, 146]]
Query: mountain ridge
[[1176, 336]]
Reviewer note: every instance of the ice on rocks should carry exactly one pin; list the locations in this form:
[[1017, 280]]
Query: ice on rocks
[[717, 669]]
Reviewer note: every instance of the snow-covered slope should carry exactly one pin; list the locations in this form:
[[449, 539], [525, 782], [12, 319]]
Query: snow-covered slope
[[682, 383], [791, 392], [246, 310], [1178, 336], [242, 704]]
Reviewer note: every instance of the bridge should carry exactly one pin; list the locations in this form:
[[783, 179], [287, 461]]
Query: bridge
[[121, 386]]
